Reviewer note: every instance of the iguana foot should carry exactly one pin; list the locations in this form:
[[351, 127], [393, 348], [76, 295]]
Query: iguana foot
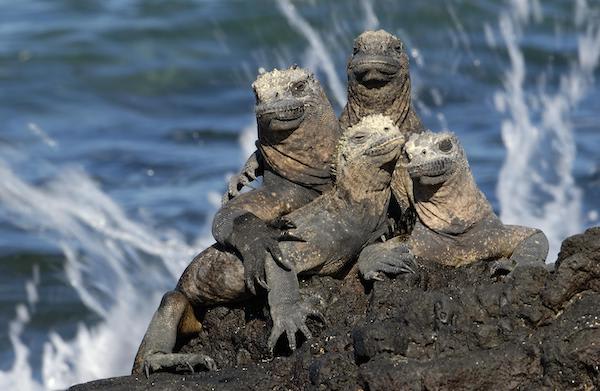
[[379, 259], [177, 361], [289, 318]]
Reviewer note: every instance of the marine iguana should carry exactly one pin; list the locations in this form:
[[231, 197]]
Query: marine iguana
[[333, 229], [456, 224], [290, 93], [291, 109], [379, 82]]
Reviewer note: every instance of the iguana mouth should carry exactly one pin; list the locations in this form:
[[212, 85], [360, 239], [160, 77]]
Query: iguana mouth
[[432, 169], [374, 71], [384, 146], [285, 115]]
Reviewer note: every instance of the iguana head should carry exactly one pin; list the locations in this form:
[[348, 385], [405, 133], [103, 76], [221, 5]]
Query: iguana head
[[370, 148], [297, 128], [287, 98], [432, 158], [378, 64]]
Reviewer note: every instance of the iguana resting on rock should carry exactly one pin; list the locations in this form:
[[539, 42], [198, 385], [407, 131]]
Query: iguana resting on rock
[[292, 110], [456, 224], [333, 229], [291, 107]]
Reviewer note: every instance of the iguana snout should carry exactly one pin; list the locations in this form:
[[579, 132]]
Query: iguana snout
[[286, 114], [378, 57], [432, 158]]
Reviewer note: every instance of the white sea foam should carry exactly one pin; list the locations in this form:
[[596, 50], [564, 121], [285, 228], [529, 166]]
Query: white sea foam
[[536, 186], [118, 267], [318, 51]]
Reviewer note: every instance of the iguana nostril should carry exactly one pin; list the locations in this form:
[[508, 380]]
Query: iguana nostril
[[424, 152]]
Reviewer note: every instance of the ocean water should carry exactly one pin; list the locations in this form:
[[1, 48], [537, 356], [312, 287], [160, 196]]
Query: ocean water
[[120, 122]]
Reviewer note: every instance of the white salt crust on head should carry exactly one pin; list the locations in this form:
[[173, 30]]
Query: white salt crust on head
[[279, 78], [428, 138], [374, 122], [376, 35]]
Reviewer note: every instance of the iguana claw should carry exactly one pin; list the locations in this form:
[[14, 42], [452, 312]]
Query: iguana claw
[[289, 318], [379, 259]]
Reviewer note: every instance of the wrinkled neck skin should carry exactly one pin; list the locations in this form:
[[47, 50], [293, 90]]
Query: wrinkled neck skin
[[452, 207], [356, 189], [397, 105], [304, 155]]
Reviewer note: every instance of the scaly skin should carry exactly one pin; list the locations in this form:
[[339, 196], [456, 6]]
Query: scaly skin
[[291, 108], [333, 228], [336, 226], [379, 82], [456, 224]]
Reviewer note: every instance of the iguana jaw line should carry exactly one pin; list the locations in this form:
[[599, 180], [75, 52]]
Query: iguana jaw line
[[385, 146], [374, 71], [280, 116], [432, 168]]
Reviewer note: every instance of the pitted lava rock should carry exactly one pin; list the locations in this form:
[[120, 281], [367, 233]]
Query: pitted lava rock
[[441, 328]]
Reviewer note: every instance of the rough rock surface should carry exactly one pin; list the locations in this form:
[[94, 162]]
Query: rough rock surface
[[438, 329]]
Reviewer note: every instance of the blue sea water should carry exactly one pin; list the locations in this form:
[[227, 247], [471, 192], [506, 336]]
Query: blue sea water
[[121, 120]]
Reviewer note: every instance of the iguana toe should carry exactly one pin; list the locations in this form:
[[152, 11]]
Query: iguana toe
[[377, 260], [177, 362], [501, 266]]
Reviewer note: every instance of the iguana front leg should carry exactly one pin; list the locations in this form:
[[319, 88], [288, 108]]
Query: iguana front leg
[[252, 169], [529, 252], [390, 257], [289, 311]]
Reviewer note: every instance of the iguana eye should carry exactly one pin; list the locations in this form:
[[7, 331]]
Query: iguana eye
[[299, 86], [359, 137], [354, 50], [445, 145], [399, 47]]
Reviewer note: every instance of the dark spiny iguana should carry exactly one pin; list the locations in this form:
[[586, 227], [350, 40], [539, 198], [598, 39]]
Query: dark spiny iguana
[[379, 82], [333, 229], [297, 139], [291, 93], [456, 224]]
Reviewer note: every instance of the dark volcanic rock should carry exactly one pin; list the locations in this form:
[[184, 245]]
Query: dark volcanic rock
[[437, 329]]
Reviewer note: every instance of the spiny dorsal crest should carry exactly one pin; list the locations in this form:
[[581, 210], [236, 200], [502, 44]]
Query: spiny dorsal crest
[[268, 83], [380, 39]]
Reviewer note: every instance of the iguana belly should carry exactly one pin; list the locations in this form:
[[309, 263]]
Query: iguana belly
[[333, 235]]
